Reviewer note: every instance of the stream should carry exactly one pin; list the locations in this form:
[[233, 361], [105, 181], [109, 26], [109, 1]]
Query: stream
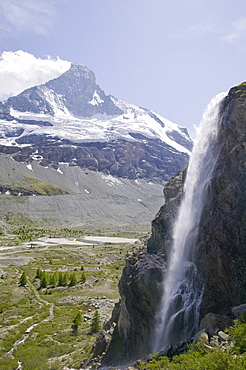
[[48, 242], [26, 335]]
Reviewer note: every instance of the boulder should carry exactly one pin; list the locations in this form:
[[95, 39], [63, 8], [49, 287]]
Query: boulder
[[213, 323], [201, 336], [238, 311]]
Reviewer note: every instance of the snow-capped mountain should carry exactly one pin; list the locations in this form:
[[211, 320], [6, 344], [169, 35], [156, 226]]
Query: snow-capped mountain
[[71, 120]]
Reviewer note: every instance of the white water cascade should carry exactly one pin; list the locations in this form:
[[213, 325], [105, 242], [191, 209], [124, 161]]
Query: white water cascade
[[177, 319]]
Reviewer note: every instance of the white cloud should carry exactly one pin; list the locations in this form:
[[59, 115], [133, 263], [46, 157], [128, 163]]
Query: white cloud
[[20, 70], [238, 31], [196, 30], [25, 15]]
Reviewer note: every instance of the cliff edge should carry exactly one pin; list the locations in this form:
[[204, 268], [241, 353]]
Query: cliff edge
[[220, 244]]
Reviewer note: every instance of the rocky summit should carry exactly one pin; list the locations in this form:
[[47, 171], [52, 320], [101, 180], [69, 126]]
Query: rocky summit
[[220, 246]]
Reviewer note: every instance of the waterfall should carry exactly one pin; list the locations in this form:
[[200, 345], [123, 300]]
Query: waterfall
[[178, 316]]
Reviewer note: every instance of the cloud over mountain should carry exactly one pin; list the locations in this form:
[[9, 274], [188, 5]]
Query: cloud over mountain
[[20, 70]]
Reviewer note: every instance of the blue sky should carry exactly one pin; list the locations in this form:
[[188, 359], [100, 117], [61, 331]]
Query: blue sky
[[171, 56]]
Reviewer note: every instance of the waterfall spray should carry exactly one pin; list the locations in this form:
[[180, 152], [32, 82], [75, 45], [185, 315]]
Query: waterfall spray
[[178, 317]]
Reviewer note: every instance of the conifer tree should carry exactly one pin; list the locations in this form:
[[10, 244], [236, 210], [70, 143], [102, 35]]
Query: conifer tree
[[95, 322], [65, 278], [73, 279], [76, 322], [44, 280], [39, 273], [53, 279], [23, 279], [83, 277], [60, 278]]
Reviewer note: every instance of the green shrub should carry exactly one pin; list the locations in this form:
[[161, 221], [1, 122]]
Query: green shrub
[[232, 357], [237, 335]]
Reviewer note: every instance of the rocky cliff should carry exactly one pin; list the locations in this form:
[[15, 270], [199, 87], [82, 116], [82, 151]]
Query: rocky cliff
[[220, 243]]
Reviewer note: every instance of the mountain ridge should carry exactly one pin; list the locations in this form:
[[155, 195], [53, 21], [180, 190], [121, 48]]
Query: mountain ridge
[[73, 111], [118, 155]]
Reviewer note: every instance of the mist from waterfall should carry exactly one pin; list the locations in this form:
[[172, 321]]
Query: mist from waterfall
[[178, 317]]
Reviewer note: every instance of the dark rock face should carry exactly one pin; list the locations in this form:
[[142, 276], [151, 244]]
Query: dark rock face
[[161, 238], [221, 247], [220, 244], [121, 158], [140, 292]]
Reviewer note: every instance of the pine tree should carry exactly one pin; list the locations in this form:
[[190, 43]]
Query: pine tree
[[23, 279], [39, 273], [73, 279], [53, 279], [60, 278], [44, 280], [95, 322], [76, 322], [65, 278], [83, 277]]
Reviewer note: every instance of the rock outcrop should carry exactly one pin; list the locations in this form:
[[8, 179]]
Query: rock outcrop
[[220, 244], [121, 158], [140, 293]]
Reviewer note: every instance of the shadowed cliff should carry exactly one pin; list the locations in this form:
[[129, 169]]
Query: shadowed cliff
[[220, 244]]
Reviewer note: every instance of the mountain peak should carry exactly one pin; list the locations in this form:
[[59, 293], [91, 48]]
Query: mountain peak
[[72, 110], [75, 90]]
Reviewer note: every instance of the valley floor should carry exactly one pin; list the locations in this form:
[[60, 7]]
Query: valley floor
[[36, 319]]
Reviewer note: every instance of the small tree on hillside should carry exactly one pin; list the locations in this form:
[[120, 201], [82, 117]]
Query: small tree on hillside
[[23, 279], [44, 280], [39, 273], [73, 279], [76, 322], [60, 278], [53, 279], [95, 322], [65, 278], [83, 277]]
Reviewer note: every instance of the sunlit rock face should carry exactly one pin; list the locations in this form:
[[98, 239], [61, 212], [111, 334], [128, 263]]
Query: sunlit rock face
[[220, 248]]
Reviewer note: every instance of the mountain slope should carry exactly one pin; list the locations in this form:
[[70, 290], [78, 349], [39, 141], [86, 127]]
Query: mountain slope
[[76, 196], [71, 120]]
